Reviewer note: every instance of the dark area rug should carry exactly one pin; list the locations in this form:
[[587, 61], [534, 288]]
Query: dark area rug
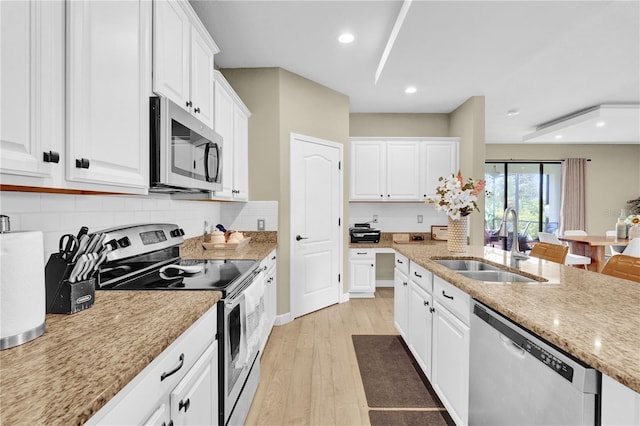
[[409, 418], [390, 376]]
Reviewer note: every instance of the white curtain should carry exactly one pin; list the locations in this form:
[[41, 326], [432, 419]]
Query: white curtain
[[573, 206]]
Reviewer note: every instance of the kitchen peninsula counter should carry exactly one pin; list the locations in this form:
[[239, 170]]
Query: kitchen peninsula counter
[[83, 360], [261, 244], [591, 316]]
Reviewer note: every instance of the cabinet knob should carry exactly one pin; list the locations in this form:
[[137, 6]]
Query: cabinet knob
[[184, 404], [189, 103], [82, 163], [51, 157], [381, 195], [372, 265], [197, 110]]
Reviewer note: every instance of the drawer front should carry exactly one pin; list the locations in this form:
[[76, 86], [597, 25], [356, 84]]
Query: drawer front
[[421, 276], [355, 254], [402, 263], [455, 300], [140, 397]]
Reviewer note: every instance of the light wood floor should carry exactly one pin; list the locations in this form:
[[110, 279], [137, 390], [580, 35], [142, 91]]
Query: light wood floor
[[309, 372]]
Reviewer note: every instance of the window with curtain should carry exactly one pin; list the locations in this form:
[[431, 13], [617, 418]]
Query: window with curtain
[[534, 189]]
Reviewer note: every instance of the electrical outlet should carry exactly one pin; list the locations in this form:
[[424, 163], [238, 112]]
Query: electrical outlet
[[260, 224], [375, 218], [419, 218]]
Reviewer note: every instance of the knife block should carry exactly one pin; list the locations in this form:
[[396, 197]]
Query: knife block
[[64, 297]]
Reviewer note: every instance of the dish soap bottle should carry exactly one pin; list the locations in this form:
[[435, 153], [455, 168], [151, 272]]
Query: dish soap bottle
[[621, 227]]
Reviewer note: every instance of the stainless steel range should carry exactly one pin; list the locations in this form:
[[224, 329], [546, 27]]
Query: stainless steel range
[[147, 257]]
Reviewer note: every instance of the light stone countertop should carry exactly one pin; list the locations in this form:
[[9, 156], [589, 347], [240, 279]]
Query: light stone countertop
[[594, 317], [261, 244], [83, 360]]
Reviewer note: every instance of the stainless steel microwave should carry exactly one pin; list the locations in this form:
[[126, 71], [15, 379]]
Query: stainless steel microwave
[[186, 155]]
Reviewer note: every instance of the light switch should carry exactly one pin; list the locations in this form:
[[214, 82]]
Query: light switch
[[419, 218], [260, 224]]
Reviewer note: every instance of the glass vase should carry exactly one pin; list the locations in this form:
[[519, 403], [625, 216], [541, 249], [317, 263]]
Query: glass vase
[[457, 234]]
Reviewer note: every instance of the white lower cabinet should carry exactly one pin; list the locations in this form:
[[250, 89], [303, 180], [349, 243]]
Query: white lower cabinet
[[421, 326], [620, 405], [401, 296], [451, 346], [270, 296], [179, 387], [362, 272]]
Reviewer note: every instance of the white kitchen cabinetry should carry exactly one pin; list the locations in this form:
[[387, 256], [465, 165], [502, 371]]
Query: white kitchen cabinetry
[[108, 72], [451, 345], [32, 87], [399, 169], [401, 295], [420, 316], [362, 267], [620, 405], [232, 123], [437, 158], [183, 58], [270, 296], [179, 386]]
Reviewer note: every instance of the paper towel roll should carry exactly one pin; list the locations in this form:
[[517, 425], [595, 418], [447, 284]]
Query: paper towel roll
[[22, 287]]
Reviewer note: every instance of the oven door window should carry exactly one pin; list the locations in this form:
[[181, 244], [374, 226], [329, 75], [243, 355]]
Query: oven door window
[[237, 349], [190, 153]]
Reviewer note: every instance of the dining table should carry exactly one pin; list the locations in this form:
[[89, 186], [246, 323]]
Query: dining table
[[593, 246]]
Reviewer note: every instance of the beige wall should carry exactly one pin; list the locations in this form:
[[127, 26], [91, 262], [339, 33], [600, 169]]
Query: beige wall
[[613, 174], [282, 103], [398, 125], [467, 122]]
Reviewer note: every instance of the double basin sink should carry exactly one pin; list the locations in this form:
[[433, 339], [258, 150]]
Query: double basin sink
[[481, 271]]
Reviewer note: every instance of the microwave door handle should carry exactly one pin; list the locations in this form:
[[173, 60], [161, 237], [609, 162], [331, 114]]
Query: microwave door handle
[[206, 163], [217, 175]]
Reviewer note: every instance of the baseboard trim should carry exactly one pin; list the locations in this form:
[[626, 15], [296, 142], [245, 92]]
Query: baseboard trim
[[344, 297], [384, 283], [283, 319], [362, 295]]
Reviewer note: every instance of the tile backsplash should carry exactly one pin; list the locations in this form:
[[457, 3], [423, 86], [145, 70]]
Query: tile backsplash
[[56, 214], [397, 217]]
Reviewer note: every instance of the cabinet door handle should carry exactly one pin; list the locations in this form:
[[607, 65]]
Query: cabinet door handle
[[298, 238], [273, 258], [399, 261], [432, 310], [426, 303], [372, 265], [381, 195], [51, 157], [175, 370], [197, 110], [417, 275], [82, 163], [404, 283], [189, 103], [362, 252], [446, 295], [184, 405]]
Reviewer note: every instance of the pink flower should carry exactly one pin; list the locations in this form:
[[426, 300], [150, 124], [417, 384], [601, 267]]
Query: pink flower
[[479, 187]]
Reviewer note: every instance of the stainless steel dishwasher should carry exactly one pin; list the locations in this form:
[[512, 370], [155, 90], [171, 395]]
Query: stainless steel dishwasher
[[516, 378]]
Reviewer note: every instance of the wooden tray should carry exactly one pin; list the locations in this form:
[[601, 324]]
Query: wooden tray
[[226, 246]]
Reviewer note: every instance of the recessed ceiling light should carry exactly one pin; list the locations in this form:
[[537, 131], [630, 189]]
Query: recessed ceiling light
[[558, 136], [410, 89], [346, 38], [513, 112], [601, 124]]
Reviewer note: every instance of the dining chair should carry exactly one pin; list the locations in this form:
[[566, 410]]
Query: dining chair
[[571, 259], [553, 252], [614, 249], [623, 266], [633, 248]]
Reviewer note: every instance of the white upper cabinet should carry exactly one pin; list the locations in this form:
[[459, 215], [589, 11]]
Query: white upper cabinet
[[32, 93], [368, 170], [438, 158], [400, 169], [183, 54], [232, 123], [108, 73]]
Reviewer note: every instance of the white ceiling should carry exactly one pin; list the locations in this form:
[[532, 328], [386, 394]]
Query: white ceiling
[[546, 59]]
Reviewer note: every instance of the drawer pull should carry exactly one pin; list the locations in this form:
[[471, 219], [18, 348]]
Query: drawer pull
[[404, 283], [426, 303], [446, 295], [399, 261], [432, 310], [362, 252], [184, 405], [417, 275], [175, 370]]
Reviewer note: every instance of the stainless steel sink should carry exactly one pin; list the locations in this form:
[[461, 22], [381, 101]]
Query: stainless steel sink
[[467, 265], [496, 276]]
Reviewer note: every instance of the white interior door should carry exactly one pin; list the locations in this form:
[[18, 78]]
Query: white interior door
[[316, 228]]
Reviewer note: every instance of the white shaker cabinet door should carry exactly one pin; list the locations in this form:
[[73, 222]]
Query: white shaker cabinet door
[[240, 155], [108, 57], [401, 303], [420, 332], [32, 92], [368, 170], [171, 61], [437, 159], [224, 110], [201, 79], [403, 161]]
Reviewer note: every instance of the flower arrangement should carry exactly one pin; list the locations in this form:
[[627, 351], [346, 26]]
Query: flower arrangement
[[633, 219], [457, 197]]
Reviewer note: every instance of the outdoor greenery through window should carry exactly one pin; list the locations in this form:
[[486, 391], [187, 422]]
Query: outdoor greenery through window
[[533, 189]]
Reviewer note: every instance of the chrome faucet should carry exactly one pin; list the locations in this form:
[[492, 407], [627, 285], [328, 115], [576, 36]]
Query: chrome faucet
[[516, 256]]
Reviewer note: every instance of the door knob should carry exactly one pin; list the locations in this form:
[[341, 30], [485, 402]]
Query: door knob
[[298, 238]]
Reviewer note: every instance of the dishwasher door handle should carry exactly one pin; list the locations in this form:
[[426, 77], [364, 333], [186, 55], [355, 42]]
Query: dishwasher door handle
[[511, 345]]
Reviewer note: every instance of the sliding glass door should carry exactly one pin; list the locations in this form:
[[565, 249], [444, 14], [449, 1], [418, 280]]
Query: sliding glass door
[[532, 188]]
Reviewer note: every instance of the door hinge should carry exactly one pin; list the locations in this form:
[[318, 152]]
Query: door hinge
[[338, 277]]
